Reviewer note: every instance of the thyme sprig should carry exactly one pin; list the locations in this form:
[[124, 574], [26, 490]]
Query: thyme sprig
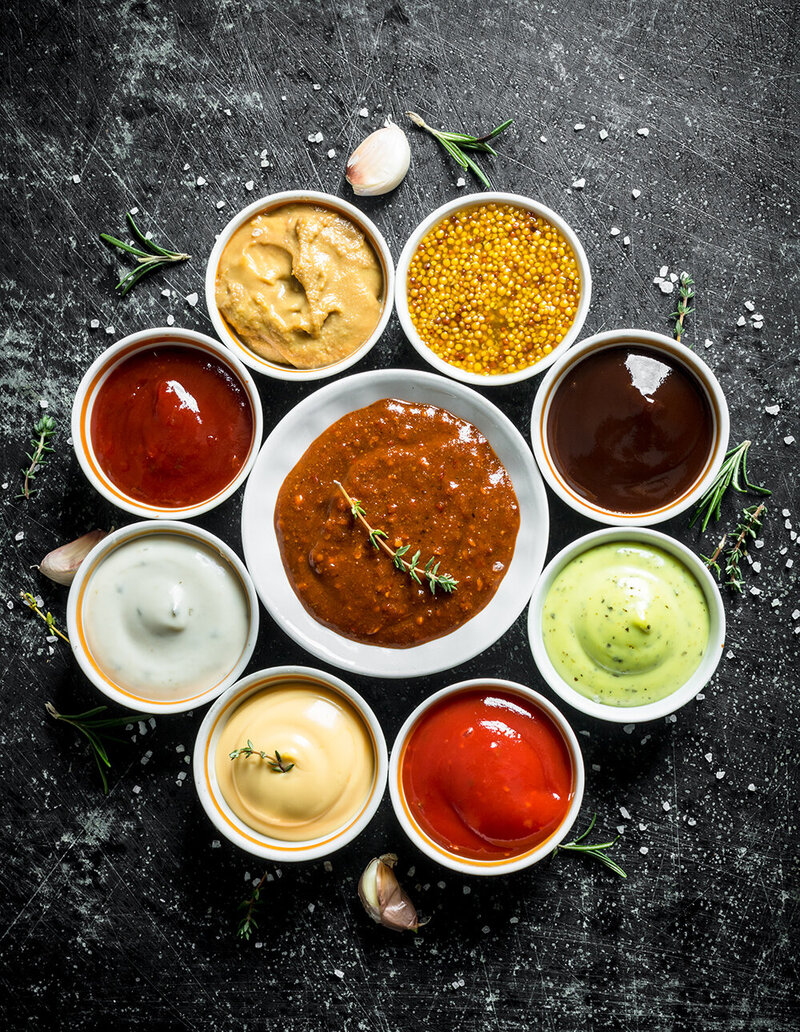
[[32, 604], [276, 762], [149, 256], [431, 569], [733, 473], [752, 519], [596, 850], [250, 906], [94, 728], [686, 291], [457, 145], [712, 561], [40, 447]]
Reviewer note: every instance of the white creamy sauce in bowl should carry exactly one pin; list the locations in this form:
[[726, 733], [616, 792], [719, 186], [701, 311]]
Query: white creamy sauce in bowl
[[165, 617]]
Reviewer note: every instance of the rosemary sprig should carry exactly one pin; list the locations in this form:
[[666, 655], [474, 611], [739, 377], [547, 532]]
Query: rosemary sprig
[[248, 921], [431, 569], [733, 473], [752, 518], [597, 850], [149, 256], [686, 291], [276, 762], [40, 446], [49, 619], [93, 727], [457, 145]]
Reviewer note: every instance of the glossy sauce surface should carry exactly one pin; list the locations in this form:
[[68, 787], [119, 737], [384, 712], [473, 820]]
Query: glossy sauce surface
[[171, 426], [427, 478], [630, 429], [486, 774]]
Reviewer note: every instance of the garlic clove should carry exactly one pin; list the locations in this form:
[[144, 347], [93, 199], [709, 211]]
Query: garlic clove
[[380, 162], [384, 899], [62, 563]]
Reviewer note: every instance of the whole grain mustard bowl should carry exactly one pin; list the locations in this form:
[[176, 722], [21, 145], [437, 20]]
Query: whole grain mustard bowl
[[162, 616], [507, 293], [628, 613], [486, 777], [290, 764], [359, 237]]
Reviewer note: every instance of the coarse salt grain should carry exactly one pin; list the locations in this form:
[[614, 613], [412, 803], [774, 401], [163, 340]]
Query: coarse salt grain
[[759, 543], [249, 185], [331, 153], [624, 813], [662, 272], [543, 139], [316, 86], [789, 564], [579, 126], [755, 591], [720, 775], [741, 321], [614, 231], [666, 287], [756, 567], [708, 342], [166, 292], [626, 241], [643, 850], [192, 299], [751, 787], [94, 324], [170, 320], [629, 728], [579, 184], [461, 181], [691, 822], [338, 972], [750, 306], [644, 131], [220, 204], [137, 789], [776, 602], [200, 181], [788, 440], [363, 112], [772, 410], [19, 535], [76, 178], [796, 613], [603, 134], [109, 330], [708, 757], [636, 194]]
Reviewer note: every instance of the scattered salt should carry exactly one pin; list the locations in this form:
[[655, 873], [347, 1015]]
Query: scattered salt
[[311, 908], [628, 729], [741, 321], [94, 324], [220, 204], [643, 849], [755, 591], [579, 126], [665, 806], [182, 776], [729, 654], [249, 184], [191, 299], [180, 748], [328, 866], [579, 184], [461, 181], [756, 567], [109, 330], [215, 844], [636, 194], [751, 787], [772, 410], [785, 513], [708, 757], [673, 277], [626, 241], [708, 342], [363, 112], [316, 86], [750, 306], [720, 775], [614, 231], [543, 139], [759, 543], [43, 403], [467, 890], [775, 603], [788, 440], [200, 181], [170, 320], [338, 972], [644, 131], [796, 613], [166, 292], [789, 564], [666, 287], [331, 153], [624, 813], [137, 789], [663, 271], [691, 822], [76, 178], [603, 134]]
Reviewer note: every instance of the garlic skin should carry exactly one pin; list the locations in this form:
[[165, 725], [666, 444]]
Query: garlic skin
[[384, 899], [380, 162], [62, 563]]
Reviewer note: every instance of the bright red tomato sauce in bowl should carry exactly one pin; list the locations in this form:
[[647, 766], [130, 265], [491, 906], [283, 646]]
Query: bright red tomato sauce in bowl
[[486, 774], [171, 426]]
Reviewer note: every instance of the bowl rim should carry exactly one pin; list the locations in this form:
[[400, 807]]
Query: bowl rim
[[657, 342], [79, 643], [651, 710], [229, 337], [468, 200], [467, 865], [218, 811], [378, 661], [96, 375]]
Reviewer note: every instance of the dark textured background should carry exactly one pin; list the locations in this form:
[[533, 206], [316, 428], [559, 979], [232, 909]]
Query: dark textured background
[[120, 911]]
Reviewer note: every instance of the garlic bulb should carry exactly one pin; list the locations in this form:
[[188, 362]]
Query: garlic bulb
[[380, 162], [383, 897], [62, 563]]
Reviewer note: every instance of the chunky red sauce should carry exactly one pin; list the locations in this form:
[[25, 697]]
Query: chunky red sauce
[[432, 482], [172, 426], [630, 429], [486, 774]]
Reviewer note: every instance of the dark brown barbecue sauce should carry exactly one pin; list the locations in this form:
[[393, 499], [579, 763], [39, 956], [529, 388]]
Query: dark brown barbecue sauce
[[630, 429]]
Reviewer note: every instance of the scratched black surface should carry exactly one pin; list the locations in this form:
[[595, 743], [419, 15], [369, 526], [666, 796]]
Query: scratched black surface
[[120, 911]]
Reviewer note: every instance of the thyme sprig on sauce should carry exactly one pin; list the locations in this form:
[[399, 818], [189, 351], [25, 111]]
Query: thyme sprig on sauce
[[733, 473], [250, 906], [149, 255], [457, 145], [40, 447], [32, 604], [596, 850], [431, 569], [686, 292], [275, 762], [94, 728]]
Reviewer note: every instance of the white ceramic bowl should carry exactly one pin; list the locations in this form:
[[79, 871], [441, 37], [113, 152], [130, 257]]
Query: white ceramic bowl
[[213, 802], [95, 377], [672, 349], [401, 298], [287, 443], [652, 710], [466, 865], [227, 334], [77, 636]]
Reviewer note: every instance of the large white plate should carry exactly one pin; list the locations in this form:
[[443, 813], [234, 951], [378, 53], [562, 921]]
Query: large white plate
[[286, 444]]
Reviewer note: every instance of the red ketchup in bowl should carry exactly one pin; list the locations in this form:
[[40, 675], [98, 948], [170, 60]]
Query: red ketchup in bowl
[[171, 427], [487, 774]]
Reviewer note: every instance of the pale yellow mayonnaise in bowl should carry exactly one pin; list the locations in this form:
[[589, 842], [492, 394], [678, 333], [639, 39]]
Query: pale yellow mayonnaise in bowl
[[162, 616], [290, 763]]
